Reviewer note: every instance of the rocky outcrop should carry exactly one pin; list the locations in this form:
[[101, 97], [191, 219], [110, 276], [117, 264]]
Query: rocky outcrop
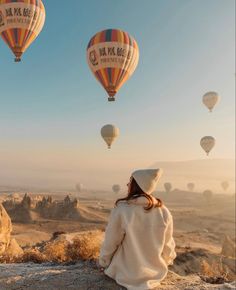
[[85, 276], [13, 249], [66, 209], [5, 230], [26, 201], [20, 212], [228, 247], [8, 246]]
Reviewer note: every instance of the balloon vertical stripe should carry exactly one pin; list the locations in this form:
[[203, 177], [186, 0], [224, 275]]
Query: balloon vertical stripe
[[108, 35]]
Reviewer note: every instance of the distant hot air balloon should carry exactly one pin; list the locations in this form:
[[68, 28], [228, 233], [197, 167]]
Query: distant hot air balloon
[[109, 134], [208, 195], [116, 188], [190, 186], [225, 185], [207, 143], [79, 187], [210, 99], [112, 56], [21, 21], [168, 187]]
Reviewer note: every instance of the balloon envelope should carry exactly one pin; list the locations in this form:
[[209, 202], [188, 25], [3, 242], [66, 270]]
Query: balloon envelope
[[225, 185], [207, 143], [21, 21], [112, 56], [210, 99], [109, 134], [207, 194], [190, 186], [168, 186], [116, 188]]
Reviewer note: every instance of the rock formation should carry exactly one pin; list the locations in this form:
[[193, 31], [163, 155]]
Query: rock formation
[[228, 247], [20, 212], [8, 245], [66, 209], [26, 201]]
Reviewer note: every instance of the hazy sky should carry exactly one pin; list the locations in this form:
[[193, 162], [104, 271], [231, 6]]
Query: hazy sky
[[52, 108]]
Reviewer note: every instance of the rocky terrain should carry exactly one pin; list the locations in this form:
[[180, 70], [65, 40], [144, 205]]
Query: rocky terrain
[[85, 276], [61, 253], [8, 245]]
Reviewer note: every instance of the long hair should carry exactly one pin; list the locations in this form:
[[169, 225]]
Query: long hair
[[135, 192]]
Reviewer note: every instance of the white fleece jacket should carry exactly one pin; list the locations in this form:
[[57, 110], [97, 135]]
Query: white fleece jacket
[[138, 245]]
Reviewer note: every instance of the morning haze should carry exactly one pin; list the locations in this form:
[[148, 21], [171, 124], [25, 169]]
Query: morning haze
[[59, 181]]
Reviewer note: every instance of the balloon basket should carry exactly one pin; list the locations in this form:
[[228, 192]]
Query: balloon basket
[[17, 59], [111, 99]]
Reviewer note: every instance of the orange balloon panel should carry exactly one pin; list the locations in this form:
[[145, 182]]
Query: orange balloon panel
[[20, 23], [112, 56]]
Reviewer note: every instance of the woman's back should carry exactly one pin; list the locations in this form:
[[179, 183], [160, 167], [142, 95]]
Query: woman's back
[[139, 245], [141, 235]]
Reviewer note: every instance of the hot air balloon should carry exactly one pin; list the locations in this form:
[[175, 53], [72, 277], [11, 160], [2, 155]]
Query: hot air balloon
[[79, 187], [190, 186], [208, 195], [21, 21], [168, 187], [116, 188], [225, 185], [112, 56], [109, 134], [207, 143], [210, 99]]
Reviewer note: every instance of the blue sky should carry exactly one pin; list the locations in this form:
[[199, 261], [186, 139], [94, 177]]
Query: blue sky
[[52, 108]]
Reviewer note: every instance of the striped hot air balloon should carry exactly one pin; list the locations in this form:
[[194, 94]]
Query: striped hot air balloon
[[112, 56], [20, 23]]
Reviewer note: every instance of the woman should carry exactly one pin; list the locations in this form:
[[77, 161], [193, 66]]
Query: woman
[[139, 245]]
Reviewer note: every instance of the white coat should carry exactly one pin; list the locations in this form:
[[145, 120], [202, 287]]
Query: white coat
[[138, 245]]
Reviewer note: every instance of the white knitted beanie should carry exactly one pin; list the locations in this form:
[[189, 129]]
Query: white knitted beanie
[[147, 179]]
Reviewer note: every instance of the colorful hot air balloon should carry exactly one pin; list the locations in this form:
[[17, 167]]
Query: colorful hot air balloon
[[109, 134], [168, 187], [20, 23], [207, 143], [225, 185], [112, 56], [190, 186], [210, 99], [116, 188]]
